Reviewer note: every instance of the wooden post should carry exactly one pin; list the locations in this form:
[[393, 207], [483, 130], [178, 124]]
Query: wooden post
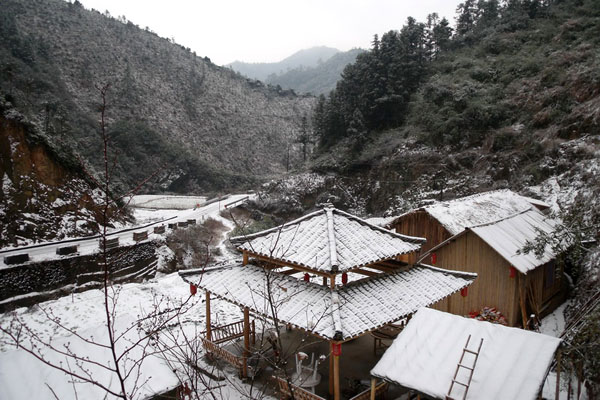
[[332, 281], [246, 341], [336, 377], [253, 332], [522, 299], [331, 370], [557, 394], [373, 385], [324, 281], [208, 328], [245, 258]]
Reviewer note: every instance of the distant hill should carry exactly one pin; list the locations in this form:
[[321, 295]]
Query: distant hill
[[303, 58], [207, 126], [320, 79]]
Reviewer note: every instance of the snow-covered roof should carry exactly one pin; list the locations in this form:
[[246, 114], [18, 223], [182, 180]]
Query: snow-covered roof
[[382, 222], [458, 214], [328, 240], [512, 363], [340, 314], [22, 376], [509, 235]]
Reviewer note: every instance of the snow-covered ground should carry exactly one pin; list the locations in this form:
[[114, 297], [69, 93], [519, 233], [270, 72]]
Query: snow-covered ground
[[166, 202], [147, 220], [23, 377]]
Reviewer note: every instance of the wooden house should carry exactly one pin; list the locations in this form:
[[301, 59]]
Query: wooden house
[[440, 221], [329, 274], [516, 284]]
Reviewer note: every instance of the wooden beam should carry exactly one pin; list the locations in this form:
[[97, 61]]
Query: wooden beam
[[383, 268], [245, 258], [290, 265], [365, 272], [246, 341], [208, 327], [290, 271]]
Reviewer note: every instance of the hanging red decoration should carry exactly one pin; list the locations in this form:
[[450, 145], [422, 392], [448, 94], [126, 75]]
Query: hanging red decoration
[[464, 291], [512, 272], [433, 258], [336, 349], [306, 278], [193, 289], [344, 278]]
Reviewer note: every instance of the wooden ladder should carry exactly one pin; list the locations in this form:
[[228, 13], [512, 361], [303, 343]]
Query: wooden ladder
[[461, 365]]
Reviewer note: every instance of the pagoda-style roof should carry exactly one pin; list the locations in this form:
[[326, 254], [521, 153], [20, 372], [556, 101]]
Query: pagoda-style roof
[[335, 314], [329, 241]]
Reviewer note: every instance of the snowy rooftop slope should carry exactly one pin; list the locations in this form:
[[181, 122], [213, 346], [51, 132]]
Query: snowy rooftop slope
[[509, 235], [332, 314], [381, 221], [328, 240], [456, 215], [22, 376], [512, 363]]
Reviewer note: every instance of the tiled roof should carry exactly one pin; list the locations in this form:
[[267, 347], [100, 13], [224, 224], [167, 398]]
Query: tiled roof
[[337, 314], [458, 214], [509, 235], [328, 240], [512, 363]]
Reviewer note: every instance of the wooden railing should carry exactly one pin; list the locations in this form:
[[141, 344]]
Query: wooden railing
[[219, 352], [225, 333], [380, 389], [285, 390]]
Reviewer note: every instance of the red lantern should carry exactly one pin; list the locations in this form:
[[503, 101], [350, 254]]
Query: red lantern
[[464, 291], [193, 289], [306, 278], [344, 278], [433, 258], [336, 349], [512, 272]]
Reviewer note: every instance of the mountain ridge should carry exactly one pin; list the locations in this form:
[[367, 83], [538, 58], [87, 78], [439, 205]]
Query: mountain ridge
[[310, 57], [208, 126]]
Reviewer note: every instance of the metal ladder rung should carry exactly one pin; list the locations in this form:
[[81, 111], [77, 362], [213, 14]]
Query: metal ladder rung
[[464, 366], [471, 351]]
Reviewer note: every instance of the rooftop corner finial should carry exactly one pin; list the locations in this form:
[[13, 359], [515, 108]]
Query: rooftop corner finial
[[329, 204]]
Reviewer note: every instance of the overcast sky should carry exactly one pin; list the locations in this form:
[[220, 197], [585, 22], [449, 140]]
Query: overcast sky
[[270, 30]]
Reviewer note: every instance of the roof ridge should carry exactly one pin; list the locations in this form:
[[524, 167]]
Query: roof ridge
[[530, 208], [449, 271], [335, 314], [410, 239], [276, 228], [474, 195], [331, 238]]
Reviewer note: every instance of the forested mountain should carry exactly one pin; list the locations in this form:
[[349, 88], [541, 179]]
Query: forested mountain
[[208, 127], [319, 79], [509, 98], [306, 58]]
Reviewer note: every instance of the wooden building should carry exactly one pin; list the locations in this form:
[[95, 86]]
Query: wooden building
[[440, 221], [329, 274], [445, 356], [518, 285]]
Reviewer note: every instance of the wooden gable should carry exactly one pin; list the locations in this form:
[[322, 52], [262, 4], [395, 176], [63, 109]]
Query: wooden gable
[[419, 223]]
